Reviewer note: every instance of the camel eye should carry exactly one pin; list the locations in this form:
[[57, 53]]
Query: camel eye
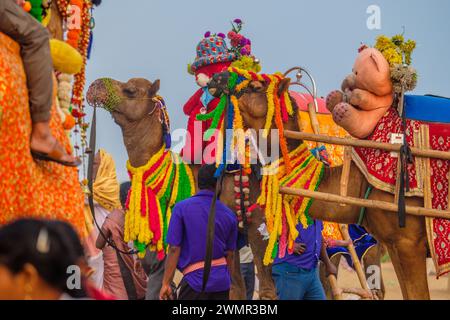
[[130, 91], [256, 87]]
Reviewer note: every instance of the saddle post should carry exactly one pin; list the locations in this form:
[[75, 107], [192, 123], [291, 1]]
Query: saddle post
[[313, 109]]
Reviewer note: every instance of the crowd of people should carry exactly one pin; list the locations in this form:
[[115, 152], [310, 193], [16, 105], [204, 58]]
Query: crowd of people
[[46, 259]]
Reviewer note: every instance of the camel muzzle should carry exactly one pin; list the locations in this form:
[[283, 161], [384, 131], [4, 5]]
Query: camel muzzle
[[103, 93]]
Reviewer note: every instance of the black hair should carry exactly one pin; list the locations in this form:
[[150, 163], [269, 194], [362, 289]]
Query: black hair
[[19, 246], [124, 188], [206, 179], [69, 234]]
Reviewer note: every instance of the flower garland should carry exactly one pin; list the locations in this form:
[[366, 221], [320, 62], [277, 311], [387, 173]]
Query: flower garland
[[155, 188], [283, 212], [279, 107]]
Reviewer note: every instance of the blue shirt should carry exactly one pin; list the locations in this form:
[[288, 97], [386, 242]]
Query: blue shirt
[[312, 237], [188, 229]]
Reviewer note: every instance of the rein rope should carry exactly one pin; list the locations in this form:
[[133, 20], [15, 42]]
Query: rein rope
[[113, 99]]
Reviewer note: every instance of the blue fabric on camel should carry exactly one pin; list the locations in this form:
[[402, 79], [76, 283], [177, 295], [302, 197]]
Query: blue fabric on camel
[[427, 108]]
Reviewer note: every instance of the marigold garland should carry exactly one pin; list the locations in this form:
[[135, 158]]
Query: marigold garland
[[283, 212], [155, 188], [276, 106]]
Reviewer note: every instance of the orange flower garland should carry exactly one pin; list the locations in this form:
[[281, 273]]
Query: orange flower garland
[[275, 107]]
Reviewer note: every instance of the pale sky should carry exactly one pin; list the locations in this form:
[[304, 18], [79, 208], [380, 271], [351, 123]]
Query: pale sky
[[156, 39]]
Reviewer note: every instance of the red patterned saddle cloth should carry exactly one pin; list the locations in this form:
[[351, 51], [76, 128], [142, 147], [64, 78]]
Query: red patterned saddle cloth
[[380, 168]]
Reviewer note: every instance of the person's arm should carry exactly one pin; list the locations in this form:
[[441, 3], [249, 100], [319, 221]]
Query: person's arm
[[174, 239], [230, 262], [330, 267], [101, 241], [169, 272], [33, 39], [231, 244]]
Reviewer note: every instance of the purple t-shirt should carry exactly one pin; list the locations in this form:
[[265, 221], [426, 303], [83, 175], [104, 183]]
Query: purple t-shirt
[[188, 229], [312, 237]]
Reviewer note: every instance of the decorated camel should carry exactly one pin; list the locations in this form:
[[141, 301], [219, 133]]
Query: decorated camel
[[259, 110], [137, 109]]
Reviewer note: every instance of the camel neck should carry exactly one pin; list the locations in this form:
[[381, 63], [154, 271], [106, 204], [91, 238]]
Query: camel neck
[[142, 139]]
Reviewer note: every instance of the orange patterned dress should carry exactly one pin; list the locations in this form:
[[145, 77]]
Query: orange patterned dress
[[30, 188]]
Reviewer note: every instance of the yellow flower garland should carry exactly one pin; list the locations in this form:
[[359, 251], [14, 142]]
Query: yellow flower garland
[[306, 175], [137, 219]]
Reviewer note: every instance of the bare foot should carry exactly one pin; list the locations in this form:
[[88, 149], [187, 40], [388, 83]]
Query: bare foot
[[333, 99], [45, 144]]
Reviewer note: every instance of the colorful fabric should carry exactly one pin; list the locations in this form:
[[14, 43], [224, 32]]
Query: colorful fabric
[[114, 282], [284, 212], [106, 186], [379, 168], [438, 230], [312, 238], [331, 231], [188, 231], [192, 151], [427, 108], [31, 188], [155, 188], [327, 126], [362, 241], [212, 50]]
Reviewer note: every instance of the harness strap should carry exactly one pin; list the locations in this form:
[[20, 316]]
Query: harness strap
[[212, 210], [362, 211]]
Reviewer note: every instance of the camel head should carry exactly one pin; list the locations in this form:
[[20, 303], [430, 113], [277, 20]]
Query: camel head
[[127, 102], [135, 107], [253, 103]]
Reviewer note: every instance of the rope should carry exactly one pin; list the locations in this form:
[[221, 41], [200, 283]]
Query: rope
[[92, 141]]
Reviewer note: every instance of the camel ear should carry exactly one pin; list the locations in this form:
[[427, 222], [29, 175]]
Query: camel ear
[[283, 86], [154, 88]]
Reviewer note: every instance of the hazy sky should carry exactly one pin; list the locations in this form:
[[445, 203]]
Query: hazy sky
[[156, 39]]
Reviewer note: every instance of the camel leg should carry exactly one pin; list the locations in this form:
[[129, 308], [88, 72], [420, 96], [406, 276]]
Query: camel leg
[[267, 289], [336, 259], [409, 262], [237, 290], [373, 258]]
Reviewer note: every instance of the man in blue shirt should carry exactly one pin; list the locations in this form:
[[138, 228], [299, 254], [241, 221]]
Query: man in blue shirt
[[296, 275], [186, 237]]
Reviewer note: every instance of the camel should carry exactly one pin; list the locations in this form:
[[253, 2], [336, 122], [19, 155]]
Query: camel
[[407, 246], [130, 105]]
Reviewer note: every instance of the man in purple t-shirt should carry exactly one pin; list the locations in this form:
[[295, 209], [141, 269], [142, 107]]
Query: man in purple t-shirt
[[296, 276], [186, 237]]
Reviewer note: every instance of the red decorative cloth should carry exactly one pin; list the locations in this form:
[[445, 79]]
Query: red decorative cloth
[[380, 168], [438, 230], [192, 151]]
